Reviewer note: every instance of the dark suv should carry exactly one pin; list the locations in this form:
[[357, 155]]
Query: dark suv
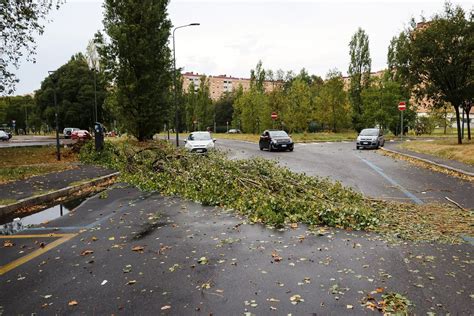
[[275, 140]]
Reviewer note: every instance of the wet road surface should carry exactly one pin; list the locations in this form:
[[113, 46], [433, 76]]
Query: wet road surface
[[367, 171]]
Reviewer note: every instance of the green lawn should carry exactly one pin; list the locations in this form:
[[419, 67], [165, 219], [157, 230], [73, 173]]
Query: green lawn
[[444, 148], [297, 137], [19, 163]]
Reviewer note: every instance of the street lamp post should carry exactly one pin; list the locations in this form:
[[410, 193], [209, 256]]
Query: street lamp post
[[94, 65], [96, 118], [174, 83], [58, 152]]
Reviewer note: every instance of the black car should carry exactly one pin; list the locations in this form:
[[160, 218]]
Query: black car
[[275, 140]]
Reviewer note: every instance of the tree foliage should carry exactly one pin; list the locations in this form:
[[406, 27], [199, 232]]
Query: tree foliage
[[359, 73], [74, 84], [138, 62], [22, 110], [435, 58], [381, 100], [332, 102], [300, 101], [20, 21], [198, 106]]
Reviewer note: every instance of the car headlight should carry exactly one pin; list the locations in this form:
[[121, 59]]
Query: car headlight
[[274, 141]]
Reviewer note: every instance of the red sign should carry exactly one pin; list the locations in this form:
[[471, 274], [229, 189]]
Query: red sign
[[402, 106], [274, 115]]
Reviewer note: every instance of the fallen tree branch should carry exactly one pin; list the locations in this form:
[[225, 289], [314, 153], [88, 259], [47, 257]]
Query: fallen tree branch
[[455, 203]]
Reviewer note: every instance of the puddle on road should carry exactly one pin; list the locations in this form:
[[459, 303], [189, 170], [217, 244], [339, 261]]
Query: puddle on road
[[49, 214]]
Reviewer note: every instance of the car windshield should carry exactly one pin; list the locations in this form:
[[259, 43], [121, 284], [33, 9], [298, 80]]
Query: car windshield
[[200, 136], [369, 132], [278, 134]]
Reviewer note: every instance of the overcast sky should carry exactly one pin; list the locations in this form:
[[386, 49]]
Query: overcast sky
[[235, 35]]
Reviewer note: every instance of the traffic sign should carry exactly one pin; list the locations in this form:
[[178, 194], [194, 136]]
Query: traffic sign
[[402, 106], [274, 115]]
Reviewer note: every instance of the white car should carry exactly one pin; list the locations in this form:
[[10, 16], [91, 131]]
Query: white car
[[370, 138], [68, 131], [4, 136], [199, 142]]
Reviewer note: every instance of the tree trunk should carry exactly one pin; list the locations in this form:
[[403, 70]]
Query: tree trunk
[[458, 124], [468, 125], [467, 109], [445, 119]]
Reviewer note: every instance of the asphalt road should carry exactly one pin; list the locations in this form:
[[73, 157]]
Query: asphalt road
[[132, 253], [367, 171]]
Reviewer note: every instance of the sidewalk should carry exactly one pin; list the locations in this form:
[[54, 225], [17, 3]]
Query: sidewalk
[[450, 164], [21, 189]]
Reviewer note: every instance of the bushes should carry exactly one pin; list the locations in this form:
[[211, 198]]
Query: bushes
[[424, 125]]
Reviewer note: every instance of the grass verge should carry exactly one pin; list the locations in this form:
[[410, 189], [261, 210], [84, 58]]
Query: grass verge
[[267, 193], [428, 166], [298, 138], [19, 163], [444, 148]]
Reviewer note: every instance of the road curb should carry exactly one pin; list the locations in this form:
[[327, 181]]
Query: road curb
[[50, 196], [462, 172]]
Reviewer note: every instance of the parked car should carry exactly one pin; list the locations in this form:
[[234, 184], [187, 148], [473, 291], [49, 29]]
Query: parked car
[[199, 142], [80, 135], [7, 131], [370, 138], [68, 131], [275, 140], [234, 131], [4, 136]]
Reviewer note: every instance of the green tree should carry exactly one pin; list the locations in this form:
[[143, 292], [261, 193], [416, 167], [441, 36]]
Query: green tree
[[257, 77], [138, 61], [249, 108], [381, 100], [297, 115], [332, 104], [435, 58], [224, 108], [199, 109], [21, 109], [359, 73], [20, 21], [74, 84]]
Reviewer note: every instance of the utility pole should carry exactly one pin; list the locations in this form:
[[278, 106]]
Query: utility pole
[[55, 81]]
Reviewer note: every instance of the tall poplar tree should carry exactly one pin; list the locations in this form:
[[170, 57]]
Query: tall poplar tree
[[137, 60], [359, 73]]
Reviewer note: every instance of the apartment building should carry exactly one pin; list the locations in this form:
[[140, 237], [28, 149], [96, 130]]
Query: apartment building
[[218, 85]]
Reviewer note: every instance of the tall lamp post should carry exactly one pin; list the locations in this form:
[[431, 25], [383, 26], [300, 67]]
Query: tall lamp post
[[54, 79], [174, 83], [93, 63]]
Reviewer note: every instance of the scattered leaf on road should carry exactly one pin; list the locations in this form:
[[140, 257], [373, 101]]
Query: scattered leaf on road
[[138, 249], [87, 252]]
